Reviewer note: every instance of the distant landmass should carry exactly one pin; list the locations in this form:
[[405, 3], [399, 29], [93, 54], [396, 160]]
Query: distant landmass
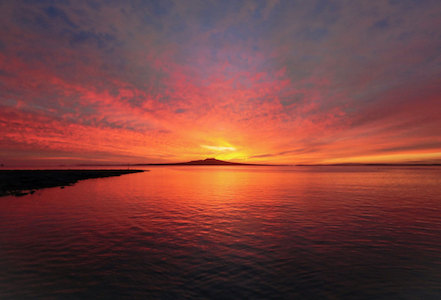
[[217, 162], [206, 162]]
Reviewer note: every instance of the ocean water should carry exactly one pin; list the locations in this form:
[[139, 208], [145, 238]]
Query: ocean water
[[228, 233]]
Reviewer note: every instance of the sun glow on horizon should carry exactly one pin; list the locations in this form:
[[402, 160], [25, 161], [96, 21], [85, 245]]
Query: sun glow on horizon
[[98, 83], [391, 158], [219, 148]]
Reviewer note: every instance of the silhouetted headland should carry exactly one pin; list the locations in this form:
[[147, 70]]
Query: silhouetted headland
[[206, 162], [22, 182]]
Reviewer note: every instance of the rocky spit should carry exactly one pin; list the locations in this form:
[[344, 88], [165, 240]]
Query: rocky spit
[[23, 182]]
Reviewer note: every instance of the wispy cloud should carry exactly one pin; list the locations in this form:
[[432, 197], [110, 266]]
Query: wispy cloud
[[281, 81]]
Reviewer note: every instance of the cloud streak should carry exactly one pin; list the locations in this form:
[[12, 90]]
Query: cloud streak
[[259, 81]]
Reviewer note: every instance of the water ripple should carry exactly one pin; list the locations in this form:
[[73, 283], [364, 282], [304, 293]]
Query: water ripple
[[182, 233]]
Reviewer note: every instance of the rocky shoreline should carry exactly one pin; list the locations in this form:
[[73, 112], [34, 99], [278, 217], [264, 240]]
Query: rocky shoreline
[[23, 182]]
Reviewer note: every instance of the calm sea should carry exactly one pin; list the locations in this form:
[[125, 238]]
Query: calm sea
[[228, 233]]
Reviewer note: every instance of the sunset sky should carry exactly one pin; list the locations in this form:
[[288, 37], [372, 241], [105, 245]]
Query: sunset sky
[[297, 82]]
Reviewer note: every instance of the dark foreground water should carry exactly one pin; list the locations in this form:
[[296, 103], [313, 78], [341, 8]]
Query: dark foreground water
[[228, 233]]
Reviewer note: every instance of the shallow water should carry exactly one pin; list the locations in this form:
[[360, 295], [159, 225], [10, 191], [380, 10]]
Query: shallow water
[[228, 233]]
